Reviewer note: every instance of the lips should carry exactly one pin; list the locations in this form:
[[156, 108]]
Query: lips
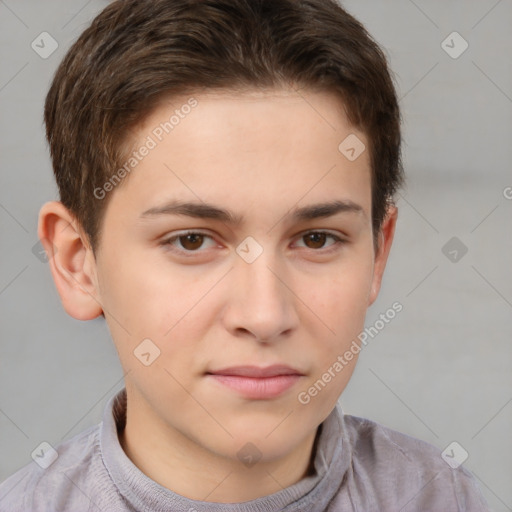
[[256, 383], [257, 372]]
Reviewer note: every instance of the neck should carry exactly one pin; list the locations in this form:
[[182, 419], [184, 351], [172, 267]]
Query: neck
[[178, 463]]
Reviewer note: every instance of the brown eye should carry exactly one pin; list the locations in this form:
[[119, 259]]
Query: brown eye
[[317, 240], [191, 241]]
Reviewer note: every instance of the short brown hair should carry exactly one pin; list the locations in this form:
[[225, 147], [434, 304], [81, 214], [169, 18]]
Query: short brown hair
[[135, 53]]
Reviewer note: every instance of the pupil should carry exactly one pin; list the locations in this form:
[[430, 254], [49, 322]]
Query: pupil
[[317, 238], [192, 239]]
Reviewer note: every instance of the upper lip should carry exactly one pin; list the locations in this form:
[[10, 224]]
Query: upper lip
[[257, 371]]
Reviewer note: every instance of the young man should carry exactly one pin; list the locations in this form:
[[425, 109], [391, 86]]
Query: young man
[[226, 172]]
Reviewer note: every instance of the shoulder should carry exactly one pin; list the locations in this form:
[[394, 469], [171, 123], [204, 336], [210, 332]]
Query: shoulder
[[371, 440], [54, 476], [409, 473]]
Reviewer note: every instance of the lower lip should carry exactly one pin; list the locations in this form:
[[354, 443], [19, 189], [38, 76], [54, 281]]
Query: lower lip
[[258, 388]]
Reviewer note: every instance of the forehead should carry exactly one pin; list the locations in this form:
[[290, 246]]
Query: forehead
[[246, 149]]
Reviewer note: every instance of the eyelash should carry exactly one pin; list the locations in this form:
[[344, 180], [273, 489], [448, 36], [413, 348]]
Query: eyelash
[[188, 253]]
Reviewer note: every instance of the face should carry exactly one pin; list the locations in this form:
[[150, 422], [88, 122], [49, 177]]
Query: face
[[248, 274]]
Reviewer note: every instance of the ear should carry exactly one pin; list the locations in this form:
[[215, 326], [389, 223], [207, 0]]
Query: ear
[[386, 235], [71, 261]]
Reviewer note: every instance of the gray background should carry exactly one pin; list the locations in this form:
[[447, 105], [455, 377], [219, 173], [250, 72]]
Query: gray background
[[440, 371]]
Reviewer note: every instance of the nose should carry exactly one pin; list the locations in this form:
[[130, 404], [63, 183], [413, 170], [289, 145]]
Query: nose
[[261, 304]]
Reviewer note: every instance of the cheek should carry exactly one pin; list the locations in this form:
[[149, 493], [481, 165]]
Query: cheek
[[142, 295], [170, 306], [340, 304], [341, 298]]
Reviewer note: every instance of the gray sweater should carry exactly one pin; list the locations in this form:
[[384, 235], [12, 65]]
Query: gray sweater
[[360, 466]]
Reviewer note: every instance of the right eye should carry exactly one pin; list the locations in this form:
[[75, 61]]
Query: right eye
[[190, 241]]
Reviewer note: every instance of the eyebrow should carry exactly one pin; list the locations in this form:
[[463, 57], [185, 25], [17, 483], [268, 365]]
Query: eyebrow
[[210, 211]]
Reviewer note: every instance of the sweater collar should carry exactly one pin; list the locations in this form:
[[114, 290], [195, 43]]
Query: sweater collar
[[311, 494]]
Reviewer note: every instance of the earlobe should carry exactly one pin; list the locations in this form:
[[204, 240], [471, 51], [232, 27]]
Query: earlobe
[[71, 261], [386, 235]]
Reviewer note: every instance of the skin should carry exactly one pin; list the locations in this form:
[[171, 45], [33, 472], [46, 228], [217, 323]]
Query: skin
[[301, 302]]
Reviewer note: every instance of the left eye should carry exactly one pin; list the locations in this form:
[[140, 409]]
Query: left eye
[[193, 240], [319, 237]]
